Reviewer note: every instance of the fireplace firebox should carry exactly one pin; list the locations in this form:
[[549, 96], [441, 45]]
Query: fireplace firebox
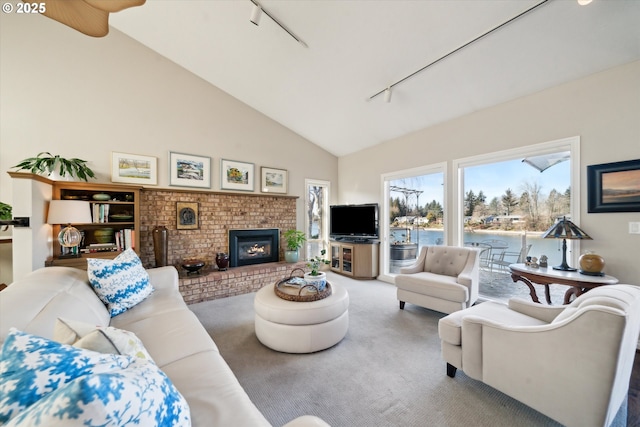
[[253, 246]]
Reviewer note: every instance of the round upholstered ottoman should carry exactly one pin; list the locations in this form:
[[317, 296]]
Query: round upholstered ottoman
[[301, 327]]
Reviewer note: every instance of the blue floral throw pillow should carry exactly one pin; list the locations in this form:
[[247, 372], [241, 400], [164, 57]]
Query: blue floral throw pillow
[[121, 283], [46, 383]]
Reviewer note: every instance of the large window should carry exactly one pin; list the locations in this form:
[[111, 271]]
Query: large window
[[413, 215], [316, 216], [507, 200]]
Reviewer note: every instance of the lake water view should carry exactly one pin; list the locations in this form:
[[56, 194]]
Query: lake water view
[[552, 248]]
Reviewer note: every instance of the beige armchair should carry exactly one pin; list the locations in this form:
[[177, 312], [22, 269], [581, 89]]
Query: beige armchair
[[443, 278], [572, 363]]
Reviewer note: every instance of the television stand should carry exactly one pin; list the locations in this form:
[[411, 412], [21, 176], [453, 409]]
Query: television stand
[[357, 259]]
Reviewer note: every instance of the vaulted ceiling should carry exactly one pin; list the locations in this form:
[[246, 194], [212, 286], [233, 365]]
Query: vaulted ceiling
[[357, 48]]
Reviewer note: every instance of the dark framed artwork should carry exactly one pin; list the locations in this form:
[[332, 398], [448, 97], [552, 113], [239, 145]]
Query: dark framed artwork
[[614, 187], [187, 215]]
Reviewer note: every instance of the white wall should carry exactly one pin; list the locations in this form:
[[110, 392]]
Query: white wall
[[603, 109], [79, 96]]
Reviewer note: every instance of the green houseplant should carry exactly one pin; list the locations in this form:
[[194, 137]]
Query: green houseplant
[[46, 164], [5, 214], [317, 262], [294, 240]]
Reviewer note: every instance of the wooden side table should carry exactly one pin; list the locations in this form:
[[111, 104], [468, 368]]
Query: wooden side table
[[579, 283]]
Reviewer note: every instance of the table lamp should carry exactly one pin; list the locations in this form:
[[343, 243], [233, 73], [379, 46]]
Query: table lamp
[[69, 212], [565, 229]]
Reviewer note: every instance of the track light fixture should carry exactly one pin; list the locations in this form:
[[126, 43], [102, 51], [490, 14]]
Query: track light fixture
[[387, 90], [257, 11], [387, 94]]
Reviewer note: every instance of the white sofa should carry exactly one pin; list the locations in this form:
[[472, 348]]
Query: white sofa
[[443, 278], [572, 363], [171, 333]]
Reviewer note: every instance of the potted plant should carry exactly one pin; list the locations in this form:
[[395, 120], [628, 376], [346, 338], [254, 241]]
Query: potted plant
[[316, 277], [294, 239], [5, 214], [47, 164]]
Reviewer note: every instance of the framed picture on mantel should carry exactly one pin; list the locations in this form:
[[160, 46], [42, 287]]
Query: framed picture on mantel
[[134, 169], [273, 180], [614, 187], [236, 175]]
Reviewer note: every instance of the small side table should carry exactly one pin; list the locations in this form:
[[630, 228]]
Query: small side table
[[579, 283]]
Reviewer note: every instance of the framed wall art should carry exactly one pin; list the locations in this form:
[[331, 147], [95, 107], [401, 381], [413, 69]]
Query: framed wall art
[[273, 180], [614, 187], [188, 170], [187, 216], [134, 169], [236, 175]]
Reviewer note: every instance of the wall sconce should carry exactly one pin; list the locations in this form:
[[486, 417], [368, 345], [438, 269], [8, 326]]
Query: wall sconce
[[69, 212]]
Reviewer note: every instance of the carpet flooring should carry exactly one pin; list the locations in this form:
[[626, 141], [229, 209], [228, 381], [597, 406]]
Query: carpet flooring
[[386, 372]]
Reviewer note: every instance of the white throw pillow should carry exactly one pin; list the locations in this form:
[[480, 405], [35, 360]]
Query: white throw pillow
[[103, 339], [121, 283], [48, 383]]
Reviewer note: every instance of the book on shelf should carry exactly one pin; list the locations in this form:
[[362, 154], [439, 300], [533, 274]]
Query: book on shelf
[[100, 213]]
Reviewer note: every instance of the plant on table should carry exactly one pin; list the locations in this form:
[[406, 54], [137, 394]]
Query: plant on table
[[317, 262]]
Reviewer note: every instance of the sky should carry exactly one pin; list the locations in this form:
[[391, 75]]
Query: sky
[[493, 180]]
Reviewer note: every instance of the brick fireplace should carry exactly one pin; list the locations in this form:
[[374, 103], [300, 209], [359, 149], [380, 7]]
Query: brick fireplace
[[218, 214]]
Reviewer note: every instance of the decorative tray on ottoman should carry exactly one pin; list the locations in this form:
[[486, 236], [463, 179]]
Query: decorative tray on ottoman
[[294, 288]]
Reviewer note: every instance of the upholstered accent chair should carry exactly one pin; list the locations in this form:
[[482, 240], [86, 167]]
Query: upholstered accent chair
[[572, 363], [443, 278]]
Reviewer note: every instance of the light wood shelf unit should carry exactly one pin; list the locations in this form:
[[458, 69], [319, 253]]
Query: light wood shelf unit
[[124, 199]]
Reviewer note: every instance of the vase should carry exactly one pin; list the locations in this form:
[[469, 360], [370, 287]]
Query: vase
[[222, 261], [591, 264], [160, 245], [319, 281], [291, 256]]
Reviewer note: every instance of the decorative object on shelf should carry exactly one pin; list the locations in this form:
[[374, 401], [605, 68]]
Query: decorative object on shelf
[[160, 245], [591, 264], [222, 261], [193, 266], [101, 197], [69, 212], [56, 167], [134, 169], [104, 235], [187, 215], [273, 180], [187, 170], [565, 229], [614, 187], [294, 240], [544, 261], [121, 217], [90, 17], [236, 175]]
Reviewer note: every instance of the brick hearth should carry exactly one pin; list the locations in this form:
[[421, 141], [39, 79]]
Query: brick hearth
[[235, 281]]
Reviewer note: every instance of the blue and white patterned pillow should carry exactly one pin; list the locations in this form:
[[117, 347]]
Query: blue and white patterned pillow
[[46, 383], [121, 283]]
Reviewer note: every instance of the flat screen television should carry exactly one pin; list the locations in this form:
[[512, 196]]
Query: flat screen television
[[354, 222]]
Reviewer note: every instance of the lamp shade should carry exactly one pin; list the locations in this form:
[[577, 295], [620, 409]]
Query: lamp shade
[[69, 212], [565, 229]]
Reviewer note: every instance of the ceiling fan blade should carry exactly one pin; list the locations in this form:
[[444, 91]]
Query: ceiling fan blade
[[114, 5], [79, 15]]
